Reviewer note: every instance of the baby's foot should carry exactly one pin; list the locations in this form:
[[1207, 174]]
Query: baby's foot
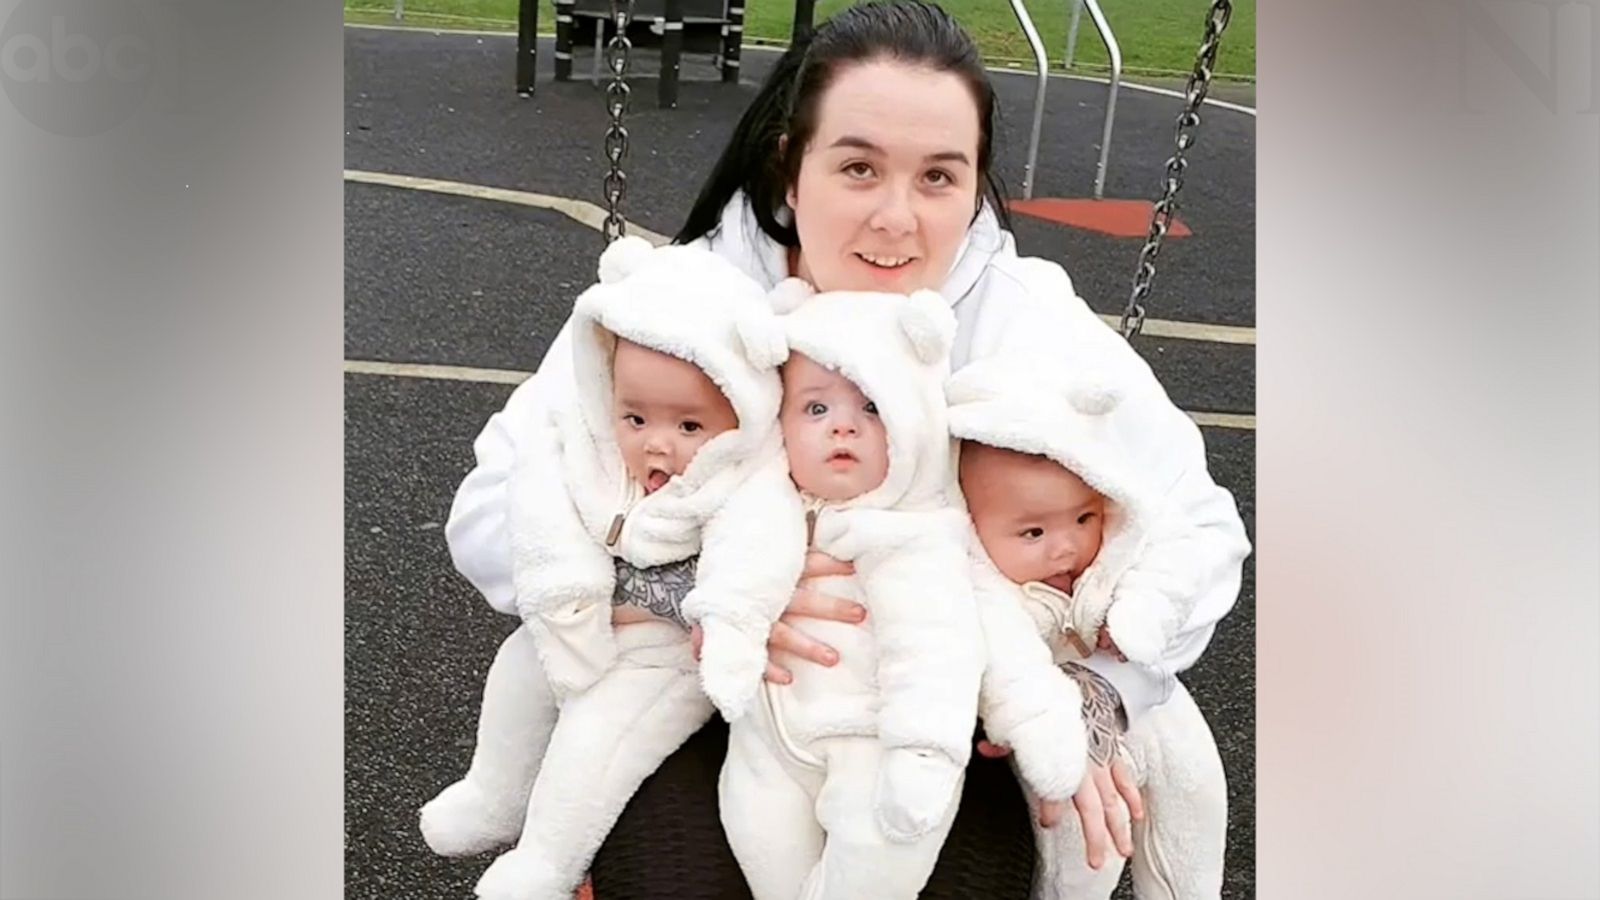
[[523, 875], [463, 821], [916, 788]]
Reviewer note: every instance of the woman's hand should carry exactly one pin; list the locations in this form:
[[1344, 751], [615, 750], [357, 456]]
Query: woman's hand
[[1108, 785], [1099, 803], [1107, 782], [806, 603]]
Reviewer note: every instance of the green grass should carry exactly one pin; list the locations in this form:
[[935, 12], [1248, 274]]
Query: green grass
[[1156, 36]]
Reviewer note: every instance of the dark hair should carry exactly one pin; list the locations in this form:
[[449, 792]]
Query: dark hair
[[759, 163]]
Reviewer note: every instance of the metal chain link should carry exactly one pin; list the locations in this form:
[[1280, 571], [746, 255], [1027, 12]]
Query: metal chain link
[[1167, 207], [616, 181]]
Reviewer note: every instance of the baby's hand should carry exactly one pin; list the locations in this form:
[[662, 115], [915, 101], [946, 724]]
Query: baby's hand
[[1138, 621], [731, 666], [1108, 645], [842, 534]]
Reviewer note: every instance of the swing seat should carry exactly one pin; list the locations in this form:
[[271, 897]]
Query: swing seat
[[711, 27], [702, 27], [694, 11]]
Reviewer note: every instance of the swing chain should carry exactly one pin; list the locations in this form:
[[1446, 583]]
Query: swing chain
[[1161, 219], [616, 181]]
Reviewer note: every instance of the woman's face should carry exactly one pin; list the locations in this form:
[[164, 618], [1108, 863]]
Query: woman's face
[[889, 181]]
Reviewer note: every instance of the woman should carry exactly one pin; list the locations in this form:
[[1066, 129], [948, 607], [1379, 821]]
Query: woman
[[864, 164]]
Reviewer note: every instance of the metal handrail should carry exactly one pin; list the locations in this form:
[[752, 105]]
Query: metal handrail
[[1113, 50], [1042, 64], [1072, 33]]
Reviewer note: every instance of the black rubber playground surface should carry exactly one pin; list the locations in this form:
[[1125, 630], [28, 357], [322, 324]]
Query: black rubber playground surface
[[468, 282]]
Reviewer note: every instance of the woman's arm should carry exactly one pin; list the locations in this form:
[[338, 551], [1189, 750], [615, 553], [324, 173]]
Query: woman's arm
[[1203, 548], [1107, 784], [561, 575], [478, 531], [1206, 539]]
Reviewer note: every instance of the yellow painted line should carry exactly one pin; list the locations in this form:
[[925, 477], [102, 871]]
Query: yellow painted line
[[579, 210], [1223, 420], [1191, 331], [515, 376], [441, 373], [594, 217]]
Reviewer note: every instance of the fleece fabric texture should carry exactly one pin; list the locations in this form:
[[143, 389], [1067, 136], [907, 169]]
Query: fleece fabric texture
[[869, 753], [1026, 701], [806, 829], [574, 507], [607, 740], [573, 511], [1180, 845], [1002, 303], [1042, 404]]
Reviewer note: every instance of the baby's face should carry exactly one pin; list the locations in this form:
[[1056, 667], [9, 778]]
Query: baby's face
[[1037, 521], [666, 408], [835, 441]]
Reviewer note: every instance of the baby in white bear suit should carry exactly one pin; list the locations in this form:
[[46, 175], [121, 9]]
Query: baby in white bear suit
[[668, 449], [1059, 519], [843, 783]]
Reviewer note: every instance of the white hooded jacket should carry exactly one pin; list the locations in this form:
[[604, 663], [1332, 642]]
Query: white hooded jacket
[[920, 665], [574, 508], [1040, 404], [1001, 301], [910, 675]]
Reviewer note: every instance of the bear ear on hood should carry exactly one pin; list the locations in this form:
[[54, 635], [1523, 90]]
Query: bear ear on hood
[[789, 294], [761, 336], [929, 325], [624, 257]]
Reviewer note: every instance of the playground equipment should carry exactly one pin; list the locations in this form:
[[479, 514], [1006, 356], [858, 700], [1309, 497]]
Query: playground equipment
[[1042, 67], [713, 27]]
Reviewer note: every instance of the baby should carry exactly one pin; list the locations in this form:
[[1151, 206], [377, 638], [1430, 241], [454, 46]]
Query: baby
[[669, 449], [1061, 524], [843, 783]]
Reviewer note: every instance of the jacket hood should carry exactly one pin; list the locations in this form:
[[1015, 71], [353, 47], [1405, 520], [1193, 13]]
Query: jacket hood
[[691, 304], [1036, 403], [896, 349]]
